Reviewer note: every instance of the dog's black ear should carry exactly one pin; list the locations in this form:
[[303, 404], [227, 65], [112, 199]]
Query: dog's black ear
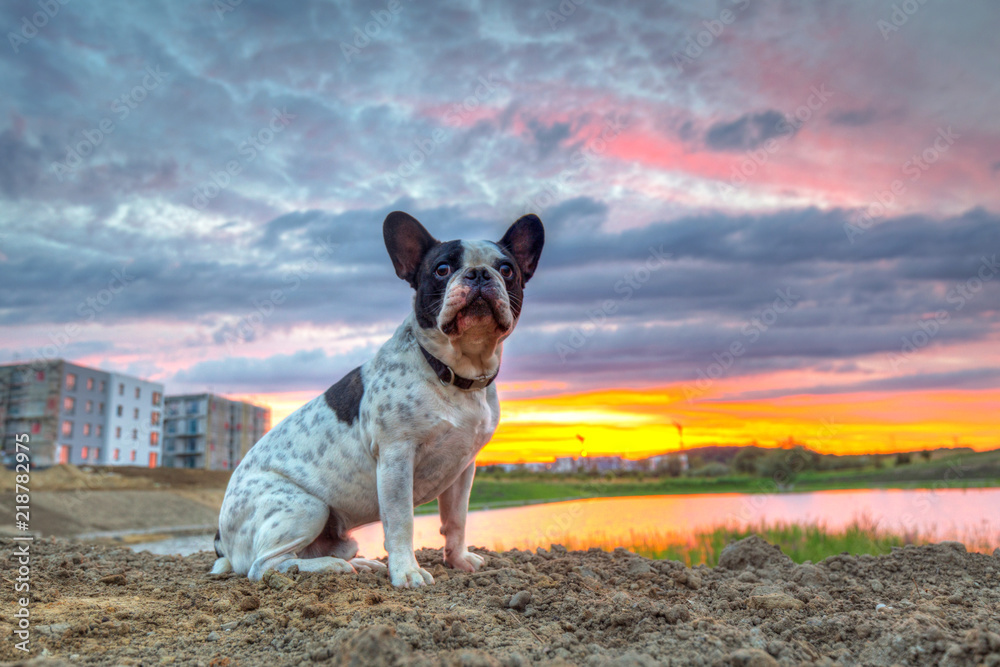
[[524, 240], [407, 242]]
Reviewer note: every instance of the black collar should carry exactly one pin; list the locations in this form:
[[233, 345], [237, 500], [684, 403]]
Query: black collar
[[448, 376]]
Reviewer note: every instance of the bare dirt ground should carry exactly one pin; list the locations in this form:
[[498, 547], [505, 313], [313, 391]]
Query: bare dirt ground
[[106, 605]]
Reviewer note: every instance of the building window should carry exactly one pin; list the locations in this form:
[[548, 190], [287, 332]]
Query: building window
[[121, 388], [84, 451], [40, 376], [97, 453], [135, 434], [155, 418], [89, 406], [120, 410], [193, 426], [152, 459], [137, 392], [70, 381], [115, 454], [100, 408], [118, 431], [69, 405], [67, 429], [103, 386], [132, 456], [36, 427], [135, 413], [172, 426], [86, 429], [100, 430], [90, 384], [154, 439], [157, 397], [64, 454]]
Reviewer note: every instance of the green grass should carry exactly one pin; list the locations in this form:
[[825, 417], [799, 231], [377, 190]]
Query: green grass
[[801, 542]]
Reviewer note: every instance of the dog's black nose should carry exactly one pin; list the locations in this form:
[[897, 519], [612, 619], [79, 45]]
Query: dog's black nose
[[478, 276]]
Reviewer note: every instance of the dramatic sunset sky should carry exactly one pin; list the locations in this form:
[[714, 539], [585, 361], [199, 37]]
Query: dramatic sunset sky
[[764, 219]]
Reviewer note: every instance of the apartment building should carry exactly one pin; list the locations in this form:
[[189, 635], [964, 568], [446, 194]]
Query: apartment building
[[210, 431], [79, 415]]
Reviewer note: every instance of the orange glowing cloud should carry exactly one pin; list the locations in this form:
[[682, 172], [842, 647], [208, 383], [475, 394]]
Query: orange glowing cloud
[[639, 423]]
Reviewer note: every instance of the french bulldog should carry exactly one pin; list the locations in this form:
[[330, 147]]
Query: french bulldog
[[400, 430]]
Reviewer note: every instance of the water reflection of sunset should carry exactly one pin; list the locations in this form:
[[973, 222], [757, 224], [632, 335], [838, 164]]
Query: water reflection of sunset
[[957, 514]]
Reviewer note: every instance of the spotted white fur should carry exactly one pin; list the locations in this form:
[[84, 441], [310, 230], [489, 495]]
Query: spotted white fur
[[332, 466]]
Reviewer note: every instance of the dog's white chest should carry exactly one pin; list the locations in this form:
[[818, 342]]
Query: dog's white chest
[[455, 435]]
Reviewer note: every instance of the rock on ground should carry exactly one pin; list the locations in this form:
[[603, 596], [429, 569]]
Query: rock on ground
[[102, 605]]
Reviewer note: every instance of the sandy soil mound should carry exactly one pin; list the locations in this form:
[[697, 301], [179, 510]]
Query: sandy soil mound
[[108, 478], [70, 478], [106, 605], [71, 513]]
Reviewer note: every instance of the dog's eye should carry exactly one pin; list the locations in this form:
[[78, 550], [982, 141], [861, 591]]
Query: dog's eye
[[506, 270], [442, 270]]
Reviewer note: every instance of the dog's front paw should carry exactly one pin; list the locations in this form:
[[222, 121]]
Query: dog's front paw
[[412, 576], [465, 560]]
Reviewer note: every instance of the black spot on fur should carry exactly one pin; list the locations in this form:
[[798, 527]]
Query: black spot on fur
[[524, 241], [344, 398], [523, 244], [218, 544], [430, 288]]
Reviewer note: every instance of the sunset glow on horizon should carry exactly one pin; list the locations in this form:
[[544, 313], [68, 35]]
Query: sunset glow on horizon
[[636, 424]]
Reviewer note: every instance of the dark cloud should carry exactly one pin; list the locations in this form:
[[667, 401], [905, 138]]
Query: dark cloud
[[20, 165], [854, 117], [979, 378], [302, 216], [548, 138], [747, 131], [299, 371]]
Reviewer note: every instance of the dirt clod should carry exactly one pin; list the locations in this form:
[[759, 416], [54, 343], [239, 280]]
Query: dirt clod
[[520, 600], [753, 552], [570, 608], [249, 603], [774, 601], [114, 580]]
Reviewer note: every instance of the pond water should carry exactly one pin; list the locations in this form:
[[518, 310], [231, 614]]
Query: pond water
[[957, 514]]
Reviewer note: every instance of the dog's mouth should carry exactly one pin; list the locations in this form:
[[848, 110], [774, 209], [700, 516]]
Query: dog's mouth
[[480, 314]]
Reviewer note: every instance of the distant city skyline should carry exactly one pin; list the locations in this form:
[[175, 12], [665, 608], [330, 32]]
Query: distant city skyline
[[763, 220]]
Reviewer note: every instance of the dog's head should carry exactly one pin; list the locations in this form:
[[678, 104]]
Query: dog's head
[[465, 289]]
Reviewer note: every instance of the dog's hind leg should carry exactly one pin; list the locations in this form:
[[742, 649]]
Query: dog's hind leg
[[287, 540], [335, 542]]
